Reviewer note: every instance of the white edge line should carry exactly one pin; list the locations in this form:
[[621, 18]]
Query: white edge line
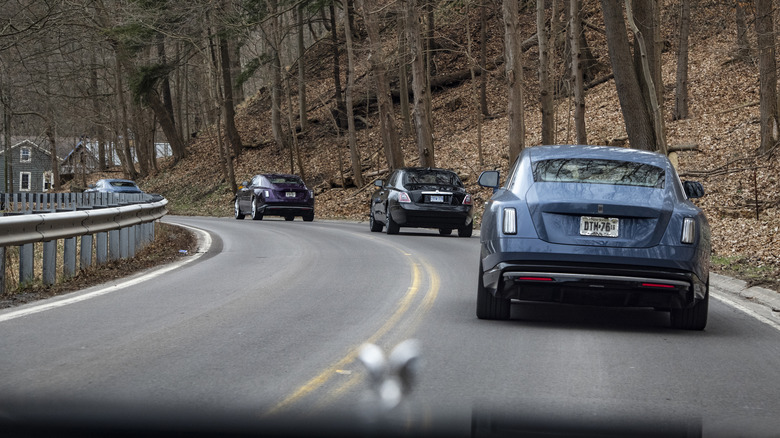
[[204, 243], [733, 303]]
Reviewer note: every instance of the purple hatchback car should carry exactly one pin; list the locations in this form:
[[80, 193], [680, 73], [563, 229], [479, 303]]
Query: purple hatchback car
[[275, 194]]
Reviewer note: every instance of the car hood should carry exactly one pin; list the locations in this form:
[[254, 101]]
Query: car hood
[[556, 210]]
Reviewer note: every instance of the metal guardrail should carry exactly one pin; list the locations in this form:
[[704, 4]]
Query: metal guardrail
[[120, 223]]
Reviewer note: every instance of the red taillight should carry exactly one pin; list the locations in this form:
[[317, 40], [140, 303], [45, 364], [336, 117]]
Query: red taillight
[[404, 197], [533, 279], [467, 200], [659, 285]]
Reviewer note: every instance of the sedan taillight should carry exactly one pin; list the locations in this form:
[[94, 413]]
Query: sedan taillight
[[510, 221], [404, 197], [467, 200], [689, 230]]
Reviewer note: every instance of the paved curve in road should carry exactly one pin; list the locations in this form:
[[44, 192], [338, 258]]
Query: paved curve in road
[[267, 323]]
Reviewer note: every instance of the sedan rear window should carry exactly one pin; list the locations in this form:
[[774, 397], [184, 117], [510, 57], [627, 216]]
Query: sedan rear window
[[122, 184], [284, 180], [593, 171], [434, 177]]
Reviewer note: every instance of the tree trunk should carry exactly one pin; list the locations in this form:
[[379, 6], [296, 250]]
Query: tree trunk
[[301, 70], [767, 73], [228, 108], [545, 84], [577, 72], [98, 126], [357, 170], [483, 60], [513, 54], [650, 63], [743, 45], [178, 147], [403, 74], [217, 101], [340, 105], [126, 155], [422, 98], [681, 87], [276, 78], [378, 63], [639, 126]]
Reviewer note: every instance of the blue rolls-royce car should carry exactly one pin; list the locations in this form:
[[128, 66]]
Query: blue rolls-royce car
[[594, 225]]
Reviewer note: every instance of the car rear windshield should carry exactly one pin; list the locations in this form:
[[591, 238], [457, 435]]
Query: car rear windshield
[[284, 180], [122, 184], [596, 171], [432, 177]]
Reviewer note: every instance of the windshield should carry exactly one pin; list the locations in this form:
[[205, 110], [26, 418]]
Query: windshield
[[594, 171]]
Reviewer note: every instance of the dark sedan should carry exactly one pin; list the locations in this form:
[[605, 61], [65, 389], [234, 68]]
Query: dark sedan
[[423, 198], [594, 225], [275, 195]]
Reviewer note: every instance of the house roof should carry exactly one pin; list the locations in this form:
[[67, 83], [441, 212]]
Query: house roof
[[26, 143]]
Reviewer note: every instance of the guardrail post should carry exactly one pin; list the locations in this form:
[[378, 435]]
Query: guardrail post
[[123, 242], [2, 270], [49, 262], [85, 256], [26, 264], [101, 248], [69, 258], [131, 241], [113, 245]]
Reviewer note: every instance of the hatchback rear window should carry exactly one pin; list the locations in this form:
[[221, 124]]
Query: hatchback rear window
[[595, 171], [432, 177]]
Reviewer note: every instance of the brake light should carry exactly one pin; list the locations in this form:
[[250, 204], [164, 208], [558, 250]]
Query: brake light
[[689, 230], [510, 221], [533, 279], [658, 285], [404, 197], [467, 200]]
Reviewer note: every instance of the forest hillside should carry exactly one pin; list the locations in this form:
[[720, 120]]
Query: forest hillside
[[741, 185]]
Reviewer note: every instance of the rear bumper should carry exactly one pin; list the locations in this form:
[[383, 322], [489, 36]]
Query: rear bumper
[[596, 284], [285, 209], [432, 216]]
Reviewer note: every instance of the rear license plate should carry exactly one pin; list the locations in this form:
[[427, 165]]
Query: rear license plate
[[290, 194], [599, 226], [437, 198]]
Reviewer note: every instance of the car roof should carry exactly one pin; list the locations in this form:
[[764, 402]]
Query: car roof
[[416, 169], [117, 180], [538, 153], [285, 175]]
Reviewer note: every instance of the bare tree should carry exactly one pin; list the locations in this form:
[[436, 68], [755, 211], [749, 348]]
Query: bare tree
[[767, 72], [422, 98], [681, 87], [743, 45], [546, 93], [639, 126], [575, 30], [357, 170], [513, 54], [376, 58]]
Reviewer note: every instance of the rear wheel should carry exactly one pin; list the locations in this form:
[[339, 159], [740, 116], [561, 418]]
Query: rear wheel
[[308, 217], [255, 214], [373, 224], [445, 231], [237, 211], [692, 318], [488, 306], [392, 226], [466, 231], [289, 218]]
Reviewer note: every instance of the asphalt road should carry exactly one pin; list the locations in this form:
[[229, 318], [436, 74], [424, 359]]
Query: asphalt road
[[267, 324]]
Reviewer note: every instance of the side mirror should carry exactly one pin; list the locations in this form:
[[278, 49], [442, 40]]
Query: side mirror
[[244, 184], [693, 189], [92, 186], [379, 183], [489, 178]]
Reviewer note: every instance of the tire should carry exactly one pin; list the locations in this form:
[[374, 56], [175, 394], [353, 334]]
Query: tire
[[237, 211], [289, 218], [466, 231], [692, 318], [308, 217], [488, 306], [445, 231], [255, 215], [392, 226], [373, 224]]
